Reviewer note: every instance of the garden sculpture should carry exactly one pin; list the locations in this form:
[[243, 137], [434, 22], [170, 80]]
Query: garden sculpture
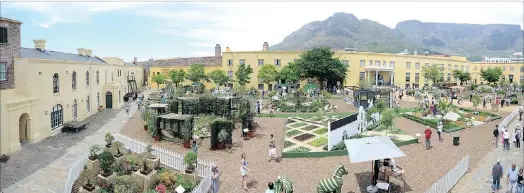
[[283, 185], [333, 184]]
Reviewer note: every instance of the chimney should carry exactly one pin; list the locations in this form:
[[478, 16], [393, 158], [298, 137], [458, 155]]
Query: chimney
[[89, 52], [40, 44], [265, 47], [134, 60], [218, 50], [81, 51]]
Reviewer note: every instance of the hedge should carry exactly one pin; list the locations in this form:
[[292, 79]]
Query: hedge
[[216, 127], [207, 105]]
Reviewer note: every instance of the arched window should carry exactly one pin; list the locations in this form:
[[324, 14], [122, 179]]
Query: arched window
[[56, 88], [88, 104], [75, 107], [97, 99], [112, 79], [97, 77], [73, 80], [57, 116], [87, 78]]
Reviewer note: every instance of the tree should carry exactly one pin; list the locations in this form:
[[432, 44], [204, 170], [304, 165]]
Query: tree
[[443, 107], [463, 76], [196, 73], [433, 73], [476, 100], [177, 76], [319, 63], [159, 79], [218, 77], [268, 73], [290, 73], [387, 119], [492, 75], [243, 74]]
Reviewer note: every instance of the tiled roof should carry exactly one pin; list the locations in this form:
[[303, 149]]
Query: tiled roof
[[53, 55], [206, 61]]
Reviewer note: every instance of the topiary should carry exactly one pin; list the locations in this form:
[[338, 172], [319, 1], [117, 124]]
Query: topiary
[[93, 150], [109, 139], [222, 136], [106, 162], [190, 159]]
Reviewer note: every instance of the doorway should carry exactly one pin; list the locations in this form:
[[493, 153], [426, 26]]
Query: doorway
[[109, 100], [23, 127]]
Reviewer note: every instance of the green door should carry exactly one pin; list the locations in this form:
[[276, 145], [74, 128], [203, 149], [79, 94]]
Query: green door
[[109, 100]]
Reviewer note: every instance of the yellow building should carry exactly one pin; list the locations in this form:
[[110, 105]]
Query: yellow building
[[42, 89], [163, 66]]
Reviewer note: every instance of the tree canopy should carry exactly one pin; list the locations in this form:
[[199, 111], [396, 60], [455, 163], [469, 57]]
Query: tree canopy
[[463, 76], [268, 73], [290, 73], [243, 74], [196, 73], [218, 77], [159, 79], [177, 76], [319, 63], [433, 73], [492, 75]]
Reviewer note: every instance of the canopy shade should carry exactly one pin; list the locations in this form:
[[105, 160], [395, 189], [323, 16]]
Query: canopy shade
[[372, 148]]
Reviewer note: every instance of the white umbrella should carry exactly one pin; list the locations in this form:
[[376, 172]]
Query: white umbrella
[[372, 148]]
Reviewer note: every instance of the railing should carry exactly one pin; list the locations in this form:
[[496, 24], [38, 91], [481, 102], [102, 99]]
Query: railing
[[510, 117], [446, 183], [167, 157]]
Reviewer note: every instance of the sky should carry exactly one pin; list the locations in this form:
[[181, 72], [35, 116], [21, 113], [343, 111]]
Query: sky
[[189, 29]]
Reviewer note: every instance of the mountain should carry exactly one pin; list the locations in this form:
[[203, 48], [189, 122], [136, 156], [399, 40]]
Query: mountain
[[343, 30]]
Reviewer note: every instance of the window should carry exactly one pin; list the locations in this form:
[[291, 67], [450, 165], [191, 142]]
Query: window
[[462, 67], [392, 63], [3, 71], [277, 62], [119, 96], [230, 74], [260, 62], [362, 63], [73, 81], [511, 68], [88, 104], [503, 68], [370, 63], [242, 61], [449, 66], [97, 77], [408, 76], [522, 78], [426, 65], [361, 76], [522, 69], [417, 65], [87, 78], [97, 99], [416, 77], [56, 88], [3, 35], [377, 62], [74, 107], [383, 63], [230, 62], [408, 65], [345, 62], [449, 77], [57, 117], [456, 67], [442, 66]]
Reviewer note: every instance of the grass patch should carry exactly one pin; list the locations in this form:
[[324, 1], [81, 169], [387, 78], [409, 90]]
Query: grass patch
[[321, 131], [309, 128], [288, 144], [293, 133], [300, 149], [318, 142], [295, 125], [317, 118]]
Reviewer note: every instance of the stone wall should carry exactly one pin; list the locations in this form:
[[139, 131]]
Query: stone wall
[[206, 61], [9, 51]]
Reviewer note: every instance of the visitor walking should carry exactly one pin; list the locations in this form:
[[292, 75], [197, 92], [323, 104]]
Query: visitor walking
[[496, 174], [506, 139], [512, 178], [518, 135], [521, 111], [439, 131], [428, 137], [272, 153], [243, 171], [496, 135], [195, 146], [215, 177], [258, 107], [520, 181], [484, 102], [270, 188]]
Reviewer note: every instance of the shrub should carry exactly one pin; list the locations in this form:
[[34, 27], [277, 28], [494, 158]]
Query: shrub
[[109, 138], [190, 159], [186, 184], [300, 149], [293, 133], [87, 176], [126, 184], [319, 142], [222, 136], [106, 162], [93, 151], [217, 127], [167, 178], [288, 144], [339, 146], [321, 131]]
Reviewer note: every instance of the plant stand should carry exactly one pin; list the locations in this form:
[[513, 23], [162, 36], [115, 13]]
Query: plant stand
[[93, 165], [120, 160], [109, 179], [146, 182], [96, 190], [155, 163]]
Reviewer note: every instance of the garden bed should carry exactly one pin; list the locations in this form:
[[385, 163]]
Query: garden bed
[[304, 137], [293, 133]]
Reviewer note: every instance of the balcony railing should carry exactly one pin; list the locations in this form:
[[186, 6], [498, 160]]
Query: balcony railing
[[130, 78], [380, 67]]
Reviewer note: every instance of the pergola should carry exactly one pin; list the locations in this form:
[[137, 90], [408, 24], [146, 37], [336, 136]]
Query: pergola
[[362, 96], [158, 107], [174, 122]]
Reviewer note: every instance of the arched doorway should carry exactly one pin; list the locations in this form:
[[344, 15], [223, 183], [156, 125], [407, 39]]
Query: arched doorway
[[24, 127], [109, 100]]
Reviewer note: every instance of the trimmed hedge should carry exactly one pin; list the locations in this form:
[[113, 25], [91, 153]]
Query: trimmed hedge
[[207, 105], [172, 106], [216, 127]]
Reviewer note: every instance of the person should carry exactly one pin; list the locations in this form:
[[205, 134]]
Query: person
[[258, 107], [271, 140], [215, 176], [243, 171], [520, 181], [506, 139], [496, 174], [272, 153], [195, 147], [439, 131], [270, 188], [518, 135], [428, 137], [512, 178], [496, 135], [376, 171], [521, 111]]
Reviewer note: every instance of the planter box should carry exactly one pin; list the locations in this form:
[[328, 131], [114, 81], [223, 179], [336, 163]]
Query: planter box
[[155, 163], [96, 190], [120, 160], [93, 165], [109, 179], [146, 182]]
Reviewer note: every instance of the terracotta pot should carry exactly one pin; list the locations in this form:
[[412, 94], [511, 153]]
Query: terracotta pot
[[145, 127], [157, 137], [220, 145], [187, 145]]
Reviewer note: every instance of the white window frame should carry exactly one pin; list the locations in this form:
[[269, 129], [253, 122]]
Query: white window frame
[[3, 71]]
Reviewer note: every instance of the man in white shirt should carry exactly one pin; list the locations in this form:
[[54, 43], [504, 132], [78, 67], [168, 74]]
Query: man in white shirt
[[506, 139], [512, 178]]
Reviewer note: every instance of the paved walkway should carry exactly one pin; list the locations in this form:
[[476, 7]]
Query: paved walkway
[[52, 178], [479, 180]]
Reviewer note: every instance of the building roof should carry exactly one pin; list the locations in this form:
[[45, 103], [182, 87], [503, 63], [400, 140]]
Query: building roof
[[10, 20], [206, 61], [34, 53]]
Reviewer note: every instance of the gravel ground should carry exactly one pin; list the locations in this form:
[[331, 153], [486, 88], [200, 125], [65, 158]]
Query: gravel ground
[[35, 156], [422, 167]]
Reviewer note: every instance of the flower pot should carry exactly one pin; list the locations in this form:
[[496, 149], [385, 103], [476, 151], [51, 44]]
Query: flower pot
[[145, 127], [187, 145], [189, 169], [157, 137], [220, 145], [89, 187]]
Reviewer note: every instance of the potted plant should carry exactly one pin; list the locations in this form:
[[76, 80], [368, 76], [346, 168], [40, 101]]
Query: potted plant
[[145, 168], [130, 163], [157, 137], [190, 160], [186, 131], [118, 145], [222, 136], [85, 178], [145, 117], [93, 150], [106, 163], [109, 139]]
